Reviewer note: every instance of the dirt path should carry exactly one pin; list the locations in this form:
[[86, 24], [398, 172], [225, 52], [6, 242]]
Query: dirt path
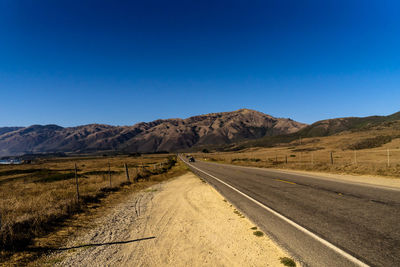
[[187, 223]]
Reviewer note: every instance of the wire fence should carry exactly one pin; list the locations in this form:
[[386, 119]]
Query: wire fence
[[386, 157], [34, 196], [108, 177], [377, 161]]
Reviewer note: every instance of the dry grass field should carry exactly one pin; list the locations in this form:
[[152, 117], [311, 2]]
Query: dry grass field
[[375, 152], [36, 197]]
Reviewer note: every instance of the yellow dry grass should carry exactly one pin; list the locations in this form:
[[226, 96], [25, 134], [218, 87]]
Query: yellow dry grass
[[34, 197], [315, 154]]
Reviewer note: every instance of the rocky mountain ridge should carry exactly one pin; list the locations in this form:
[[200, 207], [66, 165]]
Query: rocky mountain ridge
[[159, 135]]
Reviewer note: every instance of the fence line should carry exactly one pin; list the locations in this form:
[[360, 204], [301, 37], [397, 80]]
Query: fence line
[[389, 157], [142, 171]]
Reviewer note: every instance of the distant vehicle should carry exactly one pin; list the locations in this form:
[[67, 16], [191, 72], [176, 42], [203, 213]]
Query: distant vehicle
[[191, 159]]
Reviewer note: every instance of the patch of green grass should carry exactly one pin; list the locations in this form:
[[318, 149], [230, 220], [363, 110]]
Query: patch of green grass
[[258, 233], [254, 228], [151, 190], [288, 262]]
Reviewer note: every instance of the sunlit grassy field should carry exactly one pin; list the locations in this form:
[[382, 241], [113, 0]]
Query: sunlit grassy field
[[34, 197], [371, 152]]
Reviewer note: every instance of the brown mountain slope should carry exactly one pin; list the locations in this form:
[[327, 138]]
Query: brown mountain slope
[[159, 135], [334, 126], [4, 130], [322, 128]]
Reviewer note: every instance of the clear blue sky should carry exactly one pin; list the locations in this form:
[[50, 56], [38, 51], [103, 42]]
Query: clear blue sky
[[122, 62]]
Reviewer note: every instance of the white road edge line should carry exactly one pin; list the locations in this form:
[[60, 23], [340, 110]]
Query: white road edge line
[[297, 226], [313, 176]]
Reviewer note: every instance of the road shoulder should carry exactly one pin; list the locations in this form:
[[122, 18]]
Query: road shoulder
[[387, 182], [188, 223]]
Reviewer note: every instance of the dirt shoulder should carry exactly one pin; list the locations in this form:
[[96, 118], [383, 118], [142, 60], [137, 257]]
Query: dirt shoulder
[[177, 223]]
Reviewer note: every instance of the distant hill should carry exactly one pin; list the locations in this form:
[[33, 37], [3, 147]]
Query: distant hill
[[333, 126], [4, 130], [160, 135], [319, 129]]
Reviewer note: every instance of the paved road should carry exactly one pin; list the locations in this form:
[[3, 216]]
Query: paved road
[[320, 222]]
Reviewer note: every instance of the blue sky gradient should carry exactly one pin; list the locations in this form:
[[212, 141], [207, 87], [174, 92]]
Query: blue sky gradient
[[122, 62]]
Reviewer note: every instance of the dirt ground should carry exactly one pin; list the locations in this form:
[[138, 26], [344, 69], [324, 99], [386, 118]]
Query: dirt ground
[[183, 222]]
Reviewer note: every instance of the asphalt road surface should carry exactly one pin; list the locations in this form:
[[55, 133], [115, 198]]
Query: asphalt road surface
[[321, 222]]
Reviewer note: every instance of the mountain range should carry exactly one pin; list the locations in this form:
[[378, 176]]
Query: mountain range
[[159, 135], [225, 130]]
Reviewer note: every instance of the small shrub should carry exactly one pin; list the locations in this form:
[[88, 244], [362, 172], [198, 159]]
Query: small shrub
[[258, 233], [237, 212], [288, 262]]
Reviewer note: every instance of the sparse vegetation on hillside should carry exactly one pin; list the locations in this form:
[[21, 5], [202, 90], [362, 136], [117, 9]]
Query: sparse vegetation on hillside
[[375, 151], [320, 129], [372, 142]]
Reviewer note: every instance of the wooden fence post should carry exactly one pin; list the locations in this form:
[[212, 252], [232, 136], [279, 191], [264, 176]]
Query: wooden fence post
[[127, 172], [77, 184], [312, 159], [109, 172], [286, 159], [332, 158]]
